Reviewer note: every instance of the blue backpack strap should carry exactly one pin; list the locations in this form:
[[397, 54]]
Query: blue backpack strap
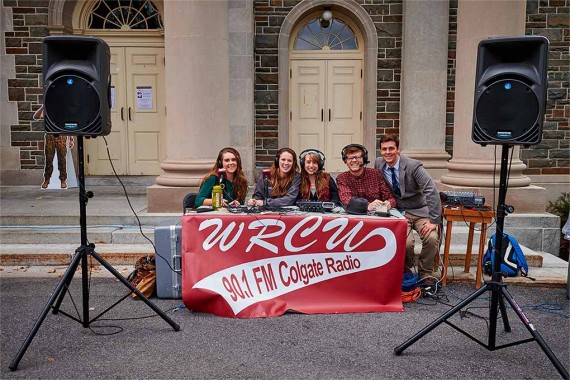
[[521, 261]]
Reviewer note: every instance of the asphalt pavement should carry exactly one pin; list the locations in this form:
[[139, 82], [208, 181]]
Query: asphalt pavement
[[325, 346]]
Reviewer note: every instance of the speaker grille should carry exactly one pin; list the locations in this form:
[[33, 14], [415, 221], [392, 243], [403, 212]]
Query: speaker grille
[[72, 105], [507, 110]]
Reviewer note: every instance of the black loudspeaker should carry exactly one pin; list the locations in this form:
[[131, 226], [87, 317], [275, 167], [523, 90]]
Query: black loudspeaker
[[77, 86], [510, 90]]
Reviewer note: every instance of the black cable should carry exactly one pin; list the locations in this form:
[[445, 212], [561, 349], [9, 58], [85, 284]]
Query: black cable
[[135, 213]]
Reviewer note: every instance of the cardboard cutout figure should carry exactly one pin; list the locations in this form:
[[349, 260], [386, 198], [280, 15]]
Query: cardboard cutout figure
[[57, 154]]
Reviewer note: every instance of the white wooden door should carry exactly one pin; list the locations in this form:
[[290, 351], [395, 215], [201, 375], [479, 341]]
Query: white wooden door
[[344, 99], [326, 107], [96, 155], [136, 143]]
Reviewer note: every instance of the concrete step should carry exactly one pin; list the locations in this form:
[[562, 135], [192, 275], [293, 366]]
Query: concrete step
[[61, 254]]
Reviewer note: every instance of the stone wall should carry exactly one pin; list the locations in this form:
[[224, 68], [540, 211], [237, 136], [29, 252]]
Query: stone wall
[[24, 42], [551, 19]]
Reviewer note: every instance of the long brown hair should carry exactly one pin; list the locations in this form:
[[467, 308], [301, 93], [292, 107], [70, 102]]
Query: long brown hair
[[321, 180], [281, 184], [239, 182]]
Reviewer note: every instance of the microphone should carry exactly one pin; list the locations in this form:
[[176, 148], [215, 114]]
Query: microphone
[[265, 174], [221, 174]]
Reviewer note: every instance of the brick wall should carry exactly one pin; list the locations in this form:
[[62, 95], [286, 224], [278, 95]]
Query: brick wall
[[30, 18], [544, 17], [551, 19], [451, 61]]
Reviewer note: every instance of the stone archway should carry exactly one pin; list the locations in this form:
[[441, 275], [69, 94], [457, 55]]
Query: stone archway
[[359, 16]]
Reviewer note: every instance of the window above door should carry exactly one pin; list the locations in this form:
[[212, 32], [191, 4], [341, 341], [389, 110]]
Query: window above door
[[334, 35], [124, 15]]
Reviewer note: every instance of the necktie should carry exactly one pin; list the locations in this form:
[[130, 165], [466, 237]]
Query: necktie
[[395, 184]]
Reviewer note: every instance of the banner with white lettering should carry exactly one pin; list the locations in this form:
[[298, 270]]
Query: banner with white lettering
[[248, 266]]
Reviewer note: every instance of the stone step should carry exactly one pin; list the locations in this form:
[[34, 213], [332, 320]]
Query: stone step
[[128, 233], [49, 253], [61, 254]]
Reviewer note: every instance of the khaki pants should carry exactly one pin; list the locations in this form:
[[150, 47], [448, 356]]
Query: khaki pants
[[430, 246]]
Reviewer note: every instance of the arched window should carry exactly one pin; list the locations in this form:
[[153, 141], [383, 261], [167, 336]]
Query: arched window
[[125, 14], [314, 35]]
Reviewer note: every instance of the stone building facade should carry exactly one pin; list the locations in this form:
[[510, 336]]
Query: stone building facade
[[254, 32]]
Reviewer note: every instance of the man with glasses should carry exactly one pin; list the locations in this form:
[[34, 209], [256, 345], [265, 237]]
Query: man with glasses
[[418, 198], [360, 181]]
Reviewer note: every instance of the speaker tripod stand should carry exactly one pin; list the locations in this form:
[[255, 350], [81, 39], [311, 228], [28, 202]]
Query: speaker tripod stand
[[81, 256], [499, 294]]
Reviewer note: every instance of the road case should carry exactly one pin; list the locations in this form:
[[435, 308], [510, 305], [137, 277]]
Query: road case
[[168, 243]]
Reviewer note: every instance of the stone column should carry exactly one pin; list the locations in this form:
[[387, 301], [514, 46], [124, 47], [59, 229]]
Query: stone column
[[197, 97], [473, 166], [424, 83]]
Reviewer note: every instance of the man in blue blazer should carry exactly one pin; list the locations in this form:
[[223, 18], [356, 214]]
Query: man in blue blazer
[[417, 198]]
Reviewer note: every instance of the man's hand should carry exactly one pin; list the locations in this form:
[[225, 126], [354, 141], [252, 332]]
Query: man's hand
[[376, 202], [427, 228]]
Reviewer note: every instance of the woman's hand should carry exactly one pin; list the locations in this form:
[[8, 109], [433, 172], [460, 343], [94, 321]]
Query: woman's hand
[[255, 202]]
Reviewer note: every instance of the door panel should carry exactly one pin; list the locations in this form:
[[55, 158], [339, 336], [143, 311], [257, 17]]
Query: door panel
[[326, 105], [307, 105], [344, 97], [97, 160], [136, 141], [146, 105]]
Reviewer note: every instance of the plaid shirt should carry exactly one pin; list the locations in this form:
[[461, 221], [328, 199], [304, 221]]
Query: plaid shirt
[[370, 185]]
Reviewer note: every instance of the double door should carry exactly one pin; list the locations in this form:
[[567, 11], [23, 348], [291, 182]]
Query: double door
[[326, 107], [136, 142]]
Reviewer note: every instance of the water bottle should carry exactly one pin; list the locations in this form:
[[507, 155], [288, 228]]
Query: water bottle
[[217, 196]]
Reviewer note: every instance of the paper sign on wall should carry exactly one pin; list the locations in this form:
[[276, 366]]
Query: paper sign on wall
[[112, 97], [144, 98]]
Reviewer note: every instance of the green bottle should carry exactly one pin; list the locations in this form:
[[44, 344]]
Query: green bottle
[[217, 196]]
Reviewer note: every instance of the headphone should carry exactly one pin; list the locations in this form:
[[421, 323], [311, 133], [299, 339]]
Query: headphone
[[278, 154], [226, 150], [359, 147], [318, 153]]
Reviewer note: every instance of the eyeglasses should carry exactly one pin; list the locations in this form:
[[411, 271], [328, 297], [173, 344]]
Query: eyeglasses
[[353, 158]]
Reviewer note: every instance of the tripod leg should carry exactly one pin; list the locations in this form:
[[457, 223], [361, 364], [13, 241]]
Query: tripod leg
[[58, 289], [504, 315], [110, 268], [73, 268], [398, 350], [559, 367]]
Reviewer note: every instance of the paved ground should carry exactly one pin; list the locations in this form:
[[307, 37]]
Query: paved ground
[[291, 346]]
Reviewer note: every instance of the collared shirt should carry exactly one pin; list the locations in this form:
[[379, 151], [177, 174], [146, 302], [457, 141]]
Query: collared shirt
[[388, 174], [370, 185]]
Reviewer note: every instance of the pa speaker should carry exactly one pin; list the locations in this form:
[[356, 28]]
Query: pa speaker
[[510, 90], [77, 86]]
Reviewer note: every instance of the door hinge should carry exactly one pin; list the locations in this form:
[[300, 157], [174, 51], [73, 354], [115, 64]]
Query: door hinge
[[290, 115], [290, 73], [360, 73], [164, 110], [87, 158], [360, 115]]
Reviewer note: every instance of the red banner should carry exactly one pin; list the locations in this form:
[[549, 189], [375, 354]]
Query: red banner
[[246, 266]]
